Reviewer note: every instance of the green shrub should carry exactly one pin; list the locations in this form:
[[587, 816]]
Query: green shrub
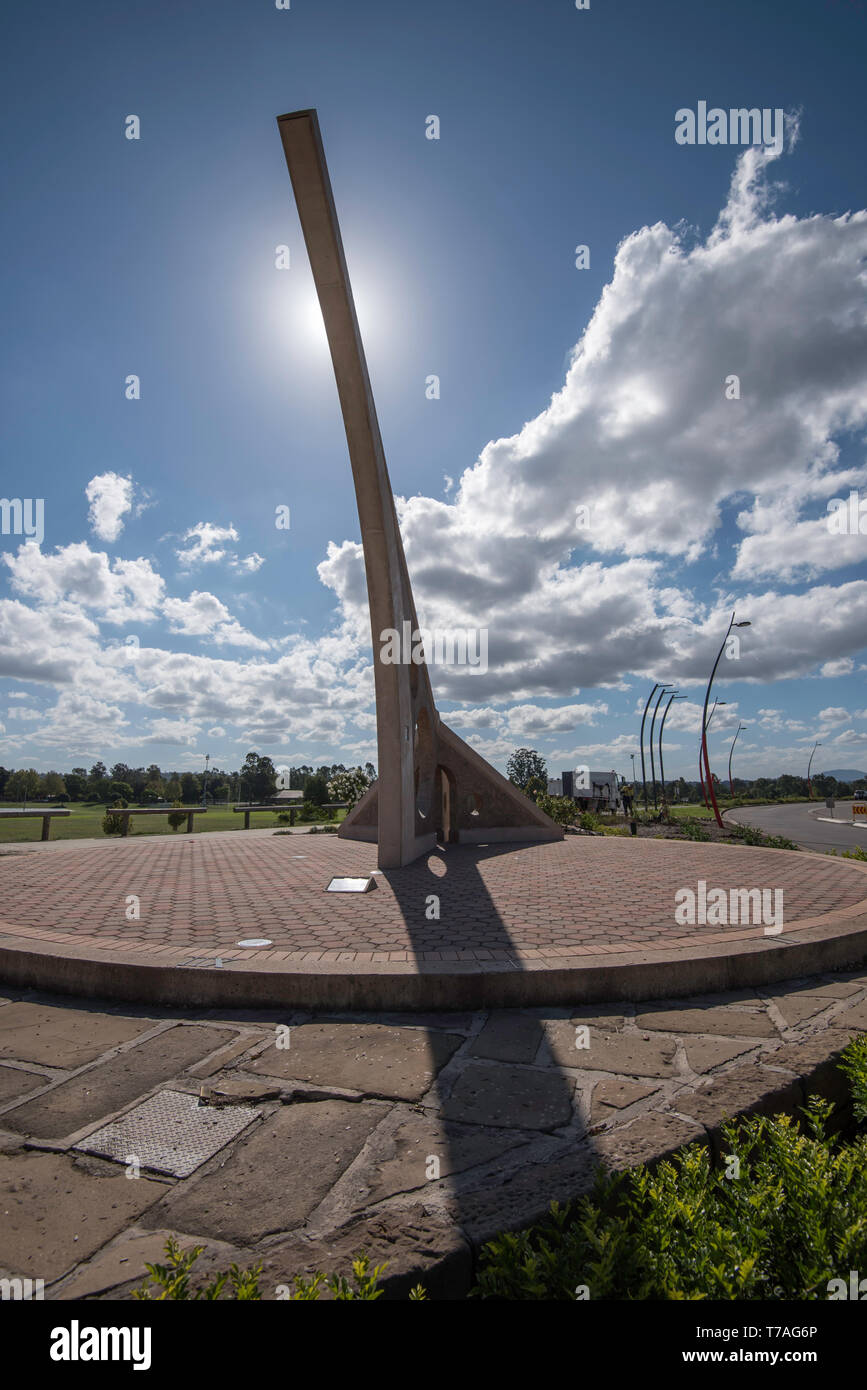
[[794, 1218], [176, 818], [561, 809], [694, 830], [172, 1281], [751, 836], [589, 821], [310, 811], [113, 825]]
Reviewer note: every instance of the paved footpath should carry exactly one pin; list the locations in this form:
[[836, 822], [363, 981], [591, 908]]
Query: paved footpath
[[412, 1137], [159, 918]]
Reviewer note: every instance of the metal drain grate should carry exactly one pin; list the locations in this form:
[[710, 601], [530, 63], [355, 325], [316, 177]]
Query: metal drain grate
[[170, 1133]]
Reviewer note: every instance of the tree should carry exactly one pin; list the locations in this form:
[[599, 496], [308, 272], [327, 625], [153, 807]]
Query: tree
[[97, 773], [121, 791], [54, 786], [173, 790], [316, 790], [260, 777], [191, 788], [153, 792], [536, 788], [23, 785], [217, 785], [76, 783], [524, 765], [370, 772], [348, 785]]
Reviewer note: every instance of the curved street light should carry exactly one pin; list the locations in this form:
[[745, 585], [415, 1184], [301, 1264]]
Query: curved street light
[[701, 752], [671, 700], [816, 745], [663, 690], [643, 717], [731, 750], [710, 786]]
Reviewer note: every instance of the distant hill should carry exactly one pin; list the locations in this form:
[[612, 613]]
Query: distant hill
[[846, 774]]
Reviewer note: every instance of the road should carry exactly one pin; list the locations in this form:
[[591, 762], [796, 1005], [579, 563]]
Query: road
[[800, 822]]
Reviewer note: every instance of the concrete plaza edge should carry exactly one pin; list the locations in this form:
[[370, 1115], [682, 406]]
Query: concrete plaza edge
[[437, 986]]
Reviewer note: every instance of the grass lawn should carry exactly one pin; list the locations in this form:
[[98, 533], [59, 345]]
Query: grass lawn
[[85, 823], [698, 808]]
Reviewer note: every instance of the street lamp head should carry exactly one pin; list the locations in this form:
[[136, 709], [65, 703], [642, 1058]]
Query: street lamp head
[[745, 623]]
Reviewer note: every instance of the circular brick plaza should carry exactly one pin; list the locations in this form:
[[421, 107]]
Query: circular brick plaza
[[471, 926]]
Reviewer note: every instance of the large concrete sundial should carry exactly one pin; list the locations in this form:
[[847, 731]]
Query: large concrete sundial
[[431, 783]]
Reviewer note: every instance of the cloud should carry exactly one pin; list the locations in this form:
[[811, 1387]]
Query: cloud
[[203, 615], [250, 563], [842, 667], [691, 498], [530, 719], [116, 591], [174, 731], [208, 544], [53, 645], [642, 434], [110, 498]]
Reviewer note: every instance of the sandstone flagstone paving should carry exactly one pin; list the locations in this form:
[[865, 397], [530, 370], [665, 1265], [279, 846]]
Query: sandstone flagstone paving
[[634, 1053], [510, 1095], [612, 1096], [33, 1033], [731, 1018], [15, 1083], [379, 1061], [273, 1178], [509, 1037], [99, 1090], [400, 1161], [459, 1145], [54, 1212], [703, 1053]]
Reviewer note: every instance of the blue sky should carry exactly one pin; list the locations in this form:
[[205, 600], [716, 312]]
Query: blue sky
[[164, 615]]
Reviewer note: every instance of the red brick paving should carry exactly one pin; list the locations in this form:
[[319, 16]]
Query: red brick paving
[[567, 901]]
